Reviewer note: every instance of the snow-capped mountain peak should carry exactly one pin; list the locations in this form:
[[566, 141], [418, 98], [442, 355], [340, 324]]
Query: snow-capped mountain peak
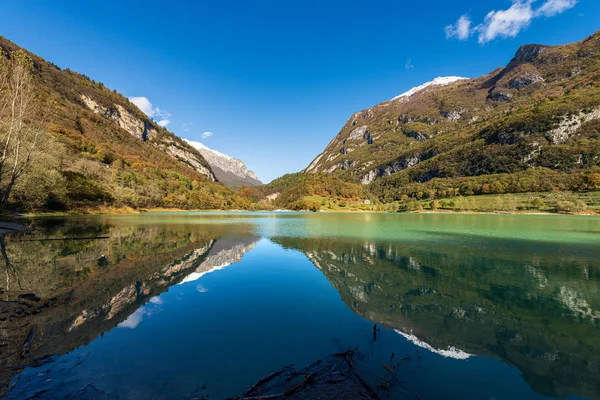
[[228, 170], [201, 146], [439, 81]]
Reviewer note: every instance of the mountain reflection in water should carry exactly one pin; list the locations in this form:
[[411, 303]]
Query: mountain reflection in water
[[533, 311], [531, 305]]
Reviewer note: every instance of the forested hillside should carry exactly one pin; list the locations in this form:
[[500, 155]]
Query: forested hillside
[[533, 126], [94, 148]]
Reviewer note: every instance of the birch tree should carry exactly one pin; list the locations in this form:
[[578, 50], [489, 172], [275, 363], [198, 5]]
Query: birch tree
[[19, 134]]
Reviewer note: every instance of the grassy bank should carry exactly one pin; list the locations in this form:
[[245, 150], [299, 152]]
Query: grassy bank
[[519, 203], [552, 203], [547, 203]]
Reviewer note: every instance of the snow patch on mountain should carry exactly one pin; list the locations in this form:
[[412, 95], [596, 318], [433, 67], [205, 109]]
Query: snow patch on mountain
[[228, 170], [439, 81], [200, 146]]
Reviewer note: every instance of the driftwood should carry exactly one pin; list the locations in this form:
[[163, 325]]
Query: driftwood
[[28, 342], [267, 379], [362, 380], [301, 384]]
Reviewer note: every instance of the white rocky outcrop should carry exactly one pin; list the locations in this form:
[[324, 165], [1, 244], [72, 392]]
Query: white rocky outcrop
[[569, 125], [136, 127], [188, 157]]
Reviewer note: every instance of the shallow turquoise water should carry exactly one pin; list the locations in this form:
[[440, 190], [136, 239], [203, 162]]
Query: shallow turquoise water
[[202, 305]]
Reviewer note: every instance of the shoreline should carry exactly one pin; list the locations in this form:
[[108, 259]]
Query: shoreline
[[131, 211]]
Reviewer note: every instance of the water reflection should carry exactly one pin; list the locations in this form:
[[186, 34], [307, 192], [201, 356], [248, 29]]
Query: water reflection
[[455, 294], [64, 293], [535, 311]]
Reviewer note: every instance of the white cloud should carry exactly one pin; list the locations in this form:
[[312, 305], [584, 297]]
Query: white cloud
[[461, 30], [506, 23], [134, 319], [409, 64], [553, 7], [153, 112], [186, 127], [207, 135], [143, 104]]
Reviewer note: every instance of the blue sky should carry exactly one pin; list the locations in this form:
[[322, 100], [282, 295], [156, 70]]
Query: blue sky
[[275, 80]]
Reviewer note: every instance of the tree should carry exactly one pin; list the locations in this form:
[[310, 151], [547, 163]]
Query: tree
[[18, 107]]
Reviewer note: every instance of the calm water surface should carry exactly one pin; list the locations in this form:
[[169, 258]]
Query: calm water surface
[[199, 305]]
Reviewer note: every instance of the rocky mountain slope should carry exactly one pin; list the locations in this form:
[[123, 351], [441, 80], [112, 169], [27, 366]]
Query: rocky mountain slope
[[100, 149], [228, 170], [541, 111]]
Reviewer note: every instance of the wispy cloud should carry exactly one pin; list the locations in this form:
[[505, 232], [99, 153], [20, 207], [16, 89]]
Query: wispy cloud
[[147, 108], [460, 30], [187, 126], [508, 23], [409, 64], [553, 7], [207, 135]]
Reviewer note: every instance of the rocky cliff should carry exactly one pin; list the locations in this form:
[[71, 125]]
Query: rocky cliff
[[228, 170]]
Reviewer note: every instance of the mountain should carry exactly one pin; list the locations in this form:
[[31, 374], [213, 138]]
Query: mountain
[[99, 149], [533, 125], [228, 170]]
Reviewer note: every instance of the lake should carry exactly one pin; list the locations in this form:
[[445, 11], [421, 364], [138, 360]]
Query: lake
[[203, 305]]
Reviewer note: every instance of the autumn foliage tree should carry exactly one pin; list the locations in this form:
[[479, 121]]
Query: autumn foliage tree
[[19, 135]]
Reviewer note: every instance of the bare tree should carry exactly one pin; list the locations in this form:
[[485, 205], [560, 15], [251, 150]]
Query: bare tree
[[18, 109]]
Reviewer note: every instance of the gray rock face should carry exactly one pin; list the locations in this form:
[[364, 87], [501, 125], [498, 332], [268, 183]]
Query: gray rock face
[[528, 52], [417, 135], [143, 130], [525, 80], [361, 133], [136, 127], [498, 95], [398, 165], [344, 165], [228, 170], [188, 157], [453, 115]]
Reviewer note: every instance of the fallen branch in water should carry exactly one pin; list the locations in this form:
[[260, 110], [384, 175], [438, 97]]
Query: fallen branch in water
[[300, 384], [267, 379], [270, 396], [28, 342], [362, 380]]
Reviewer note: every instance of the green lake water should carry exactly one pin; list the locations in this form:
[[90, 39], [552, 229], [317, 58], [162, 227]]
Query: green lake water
[[203, 305]]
